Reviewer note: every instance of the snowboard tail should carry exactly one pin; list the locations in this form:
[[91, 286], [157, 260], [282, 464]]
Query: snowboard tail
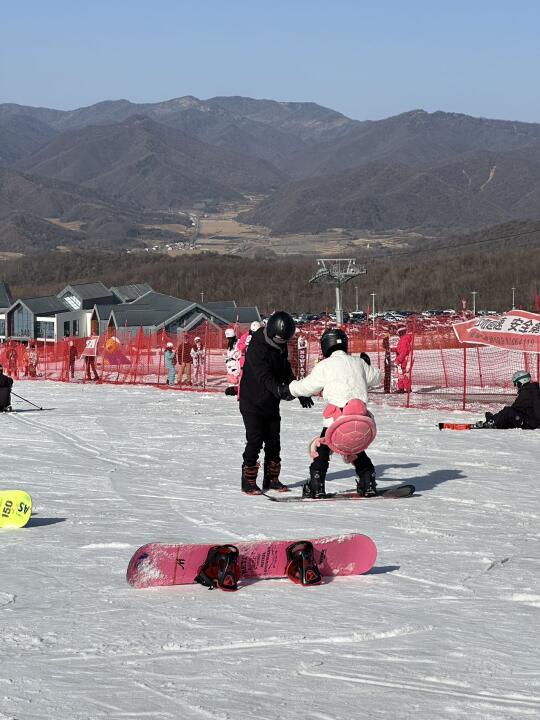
[[15, 508], [159, 564]]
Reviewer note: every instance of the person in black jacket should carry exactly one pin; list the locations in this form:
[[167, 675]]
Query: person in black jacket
[[525, 410], [6, 384], [265, 380]]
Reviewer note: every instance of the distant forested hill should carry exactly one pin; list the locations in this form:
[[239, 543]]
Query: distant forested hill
[[489, 262], [313, 167]]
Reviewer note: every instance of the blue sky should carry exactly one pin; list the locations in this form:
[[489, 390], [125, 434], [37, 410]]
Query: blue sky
[[366, 58]]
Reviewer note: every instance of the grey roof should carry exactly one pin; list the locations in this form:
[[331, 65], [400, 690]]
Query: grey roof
[[88, 291], [6, 299], [103, 312], [151, 309], [240, 314], [220, 304], [157, 301], [46, 305], [128, 293], [129, 316], [156, 310]]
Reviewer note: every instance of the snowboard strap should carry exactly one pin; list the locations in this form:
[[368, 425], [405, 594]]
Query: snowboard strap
[[221, 568], [301, 566]]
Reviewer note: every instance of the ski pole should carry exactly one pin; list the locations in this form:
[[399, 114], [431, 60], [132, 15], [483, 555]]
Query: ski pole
[[28, 401]]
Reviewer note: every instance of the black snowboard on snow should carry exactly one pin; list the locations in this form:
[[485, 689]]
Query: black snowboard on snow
[[392, 493]]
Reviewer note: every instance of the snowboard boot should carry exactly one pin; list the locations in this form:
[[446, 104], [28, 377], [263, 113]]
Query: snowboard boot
[[301, 566], [365, 483], [487, 424], [8, 408], [271, 479], [315, 486], [249, 480], [221, 568]]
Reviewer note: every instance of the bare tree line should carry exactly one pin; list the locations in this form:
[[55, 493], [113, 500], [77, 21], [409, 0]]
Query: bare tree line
[[415, 281]]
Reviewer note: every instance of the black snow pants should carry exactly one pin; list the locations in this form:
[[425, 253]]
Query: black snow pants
[[5, 397], [508, 418], [321, 462], [261, 430]]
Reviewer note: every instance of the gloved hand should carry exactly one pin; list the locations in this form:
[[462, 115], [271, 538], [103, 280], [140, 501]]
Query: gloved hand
[[365, 358], [284, 392], [306, 402]]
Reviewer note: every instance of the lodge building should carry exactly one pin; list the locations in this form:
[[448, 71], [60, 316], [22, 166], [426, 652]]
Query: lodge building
[[85, 309]]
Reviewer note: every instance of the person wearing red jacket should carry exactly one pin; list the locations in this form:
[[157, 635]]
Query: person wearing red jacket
[[403, 352]]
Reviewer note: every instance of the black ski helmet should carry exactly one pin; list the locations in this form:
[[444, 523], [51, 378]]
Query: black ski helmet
[[280, 325], [334, 339]]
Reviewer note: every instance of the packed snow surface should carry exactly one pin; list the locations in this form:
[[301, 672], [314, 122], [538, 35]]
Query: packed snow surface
[[446, 625]]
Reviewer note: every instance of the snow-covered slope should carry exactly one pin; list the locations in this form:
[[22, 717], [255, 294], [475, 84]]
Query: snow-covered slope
[[445, 626]]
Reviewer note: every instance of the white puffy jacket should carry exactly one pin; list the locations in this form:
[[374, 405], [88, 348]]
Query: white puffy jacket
[[341, 378]]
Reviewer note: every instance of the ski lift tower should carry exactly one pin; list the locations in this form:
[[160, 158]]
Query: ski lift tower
[[337, 271]]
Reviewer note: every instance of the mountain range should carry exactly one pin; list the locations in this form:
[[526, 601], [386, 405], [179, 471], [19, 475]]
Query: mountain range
[[117, 161]]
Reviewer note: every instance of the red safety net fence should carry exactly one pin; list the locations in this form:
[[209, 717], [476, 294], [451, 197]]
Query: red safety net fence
[[437, 371]]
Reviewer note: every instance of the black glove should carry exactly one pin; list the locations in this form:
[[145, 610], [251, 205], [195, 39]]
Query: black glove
[[284, 392], [365, 358], [306, 402]]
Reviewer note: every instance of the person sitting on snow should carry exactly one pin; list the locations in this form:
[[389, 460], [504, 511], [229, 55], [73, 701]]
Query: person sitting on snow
[[6, 383], [525, 410], [341, 378]]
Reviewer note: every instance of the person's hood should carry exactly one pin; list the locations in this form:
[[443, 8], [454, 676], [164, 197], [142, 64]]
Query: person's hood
[[270, 342]]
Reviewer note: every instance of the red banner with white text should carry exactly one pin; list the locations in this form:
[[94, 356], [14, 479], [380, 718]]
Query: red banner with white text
[[516, 330]]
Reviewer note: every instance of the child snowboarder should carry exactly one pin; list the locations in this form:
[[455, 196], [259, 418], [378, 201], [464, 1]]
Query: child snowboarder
[[341, 378], [198, 355], [525, 410], [170, 362], [232, 362], [266, 373]]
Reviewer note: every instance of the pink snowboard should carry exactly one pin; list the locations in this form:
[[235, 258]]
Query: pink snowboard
[[160, 564]]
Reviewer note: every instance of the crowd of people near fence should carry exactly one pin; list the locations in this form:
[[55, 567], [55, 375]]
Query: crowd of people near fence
[[416, 359]]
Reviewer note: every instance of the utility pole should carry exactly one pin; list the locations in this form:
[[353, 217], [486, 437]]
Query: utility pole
[[513, 298], [202, 297], [474, 294], [373, 309], [356, 294]]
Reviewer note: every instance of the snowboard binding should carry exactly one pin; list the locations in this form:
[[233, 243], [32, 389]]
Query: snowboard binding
[[301, 566], [221, 568]]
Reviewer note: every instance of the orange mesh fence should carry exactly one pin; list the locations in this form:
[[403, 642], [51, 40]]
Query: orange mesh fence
[[436, 369]]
